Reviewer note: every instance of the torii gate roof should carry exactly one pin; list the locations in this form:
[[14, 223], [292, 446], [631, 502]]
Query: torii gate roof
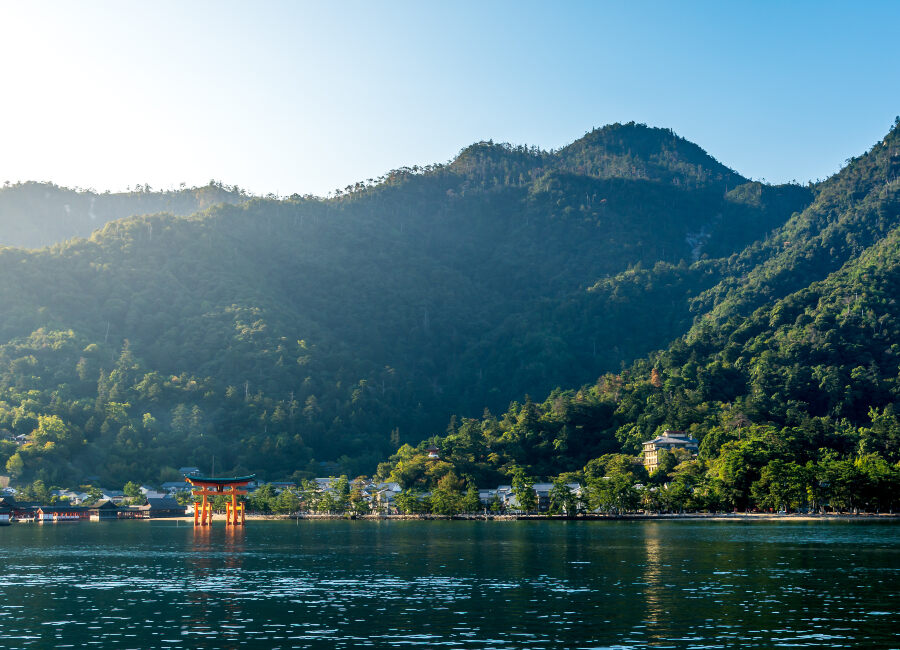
[[210, 480]]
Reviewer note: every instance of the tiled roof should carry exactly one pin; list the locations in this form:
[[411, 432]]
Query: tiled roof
[[175, 484], [670, 440], [165, 503]]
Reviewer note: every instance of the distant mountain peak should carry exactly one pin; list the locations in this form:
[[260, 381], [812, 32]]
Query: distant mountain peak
[[635, 150], [629, 151]]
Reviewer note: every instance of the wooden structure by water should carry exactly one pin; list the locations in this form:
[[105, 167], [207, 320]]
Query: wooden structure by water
[[206, 486]]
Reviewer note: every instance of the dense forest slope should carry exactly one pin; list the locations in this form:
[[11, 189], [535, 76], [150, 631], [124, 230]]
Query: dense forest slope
[[279, 334], [788, 377], [33, 215]]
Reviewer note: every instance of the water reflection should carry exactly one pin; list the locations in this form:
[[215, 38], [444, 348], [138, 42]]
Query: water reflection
[[654, 591], [454, 584], [215, 590]]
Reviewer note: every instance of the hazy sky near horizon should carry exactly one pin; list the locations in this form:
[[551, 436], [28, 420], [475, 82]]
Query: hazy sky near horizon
[[293, 97]]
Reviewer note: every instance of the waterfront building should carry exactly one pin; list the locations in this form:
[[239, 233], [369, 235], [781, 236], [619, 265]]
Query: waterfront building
[[542, 491], [507, 498], [104, 510], [383, 495], [668, 441], [486, 495], [505, 495], [57, 513], [116, 496], [157, 508], [19, 509]]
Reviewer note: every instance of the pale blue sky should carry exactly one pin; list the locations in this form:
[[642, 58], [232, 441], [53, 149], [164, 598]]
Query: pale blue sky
[[305, 97]]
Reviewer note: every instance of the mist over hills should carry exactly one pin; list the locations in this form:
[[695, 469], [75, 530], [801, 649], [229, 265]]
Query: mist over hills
[[33, 215], [279, 333]]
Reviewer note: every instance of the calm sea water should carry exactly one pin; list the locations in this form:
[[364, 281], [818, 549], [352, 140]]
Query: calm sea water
[[343, 584]]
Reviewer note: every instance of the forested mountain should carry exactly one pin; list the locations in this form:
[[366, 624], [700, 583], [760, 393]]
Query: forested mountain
[[33, 215], [632, 151], [852, 210], [278, 334], [788, 376]]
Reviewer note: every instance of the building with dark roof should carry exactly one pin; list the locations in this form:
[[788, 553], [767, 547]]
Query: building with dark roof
[[105, 511], [164, 507], [60, 512], [20, 509], [172, 487], [668, 441]]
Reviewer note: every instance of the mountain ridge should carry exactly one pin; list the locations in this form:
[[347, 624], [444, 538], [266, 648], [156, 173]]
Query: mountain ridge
[[35, 215], [279, 333], [786, 395]]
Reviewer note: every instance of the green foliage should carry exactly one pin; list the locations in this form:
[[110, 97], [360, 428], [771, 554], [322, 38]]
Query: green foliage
[[93, 494], [262, 500], [276, 334], [37, 492], [471, 503], [409, 502], [523, 489], [788, 376], [562, 498], [133, 492], [358, 503], [288, 502]]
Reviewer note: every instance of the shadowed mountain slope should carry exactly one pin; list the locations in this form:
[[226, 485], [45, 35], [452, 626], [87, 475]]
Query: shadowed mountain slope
[[277, 334], [791, 359]]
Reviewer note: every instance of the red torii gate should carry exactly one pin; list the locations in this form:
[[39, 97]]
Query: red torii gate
[[206, 486]]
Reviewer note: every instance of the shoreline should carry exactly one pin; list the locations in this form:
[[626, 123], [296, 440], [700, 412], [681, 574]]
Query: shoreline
[[693, 516]]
